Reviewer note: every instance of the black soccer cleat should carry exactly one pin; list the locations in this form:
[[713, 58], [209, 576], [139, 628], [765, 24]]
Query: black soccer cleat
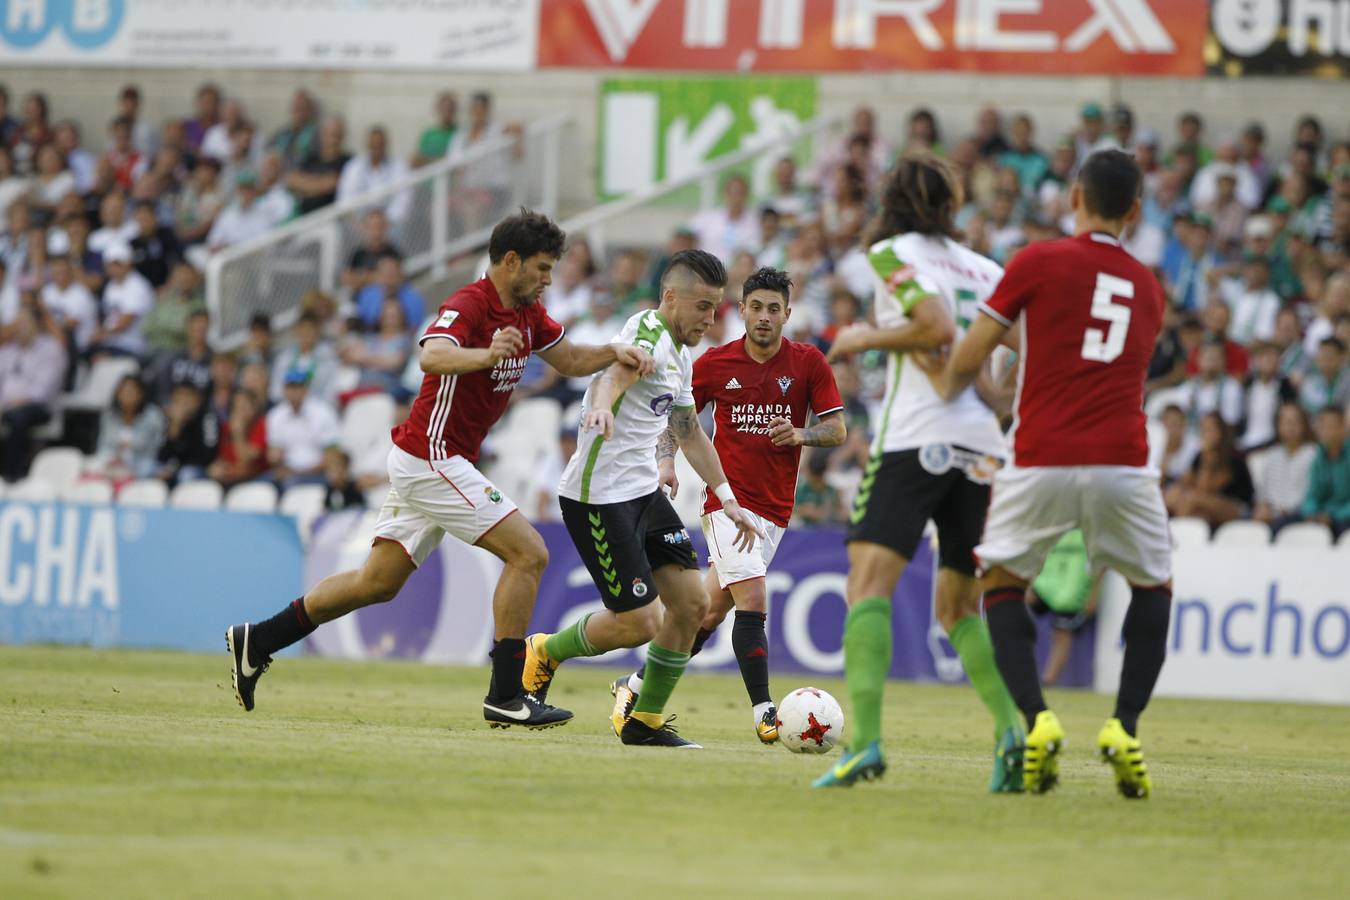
[[244, 670], [526, 711], [637, 733]]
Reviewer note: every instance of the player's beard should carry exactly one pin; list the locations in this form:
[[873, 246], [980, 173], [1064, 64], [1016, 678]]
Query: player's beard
[[522, 296], [761, 340]]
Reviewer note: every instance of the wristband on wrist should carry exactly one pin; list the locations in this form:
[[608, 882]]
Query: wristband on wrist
[[724, 494]]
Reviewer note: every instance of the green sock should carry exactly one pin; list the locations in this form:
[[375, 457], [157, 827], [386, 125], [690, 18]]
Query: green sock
[[970, 637], [664, 668], [867, 659], [570, 642]]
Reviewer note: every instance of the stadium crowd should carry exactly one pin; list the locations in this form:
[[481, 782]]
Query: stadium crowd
[[101, 255]]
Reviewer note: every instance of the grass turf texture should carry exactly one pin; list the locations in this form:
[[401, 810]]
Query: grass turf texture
[[135, 774]]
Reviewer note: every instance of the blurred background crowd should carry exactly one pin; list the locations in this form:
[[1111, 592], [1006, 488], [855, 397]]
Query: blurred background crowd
[[104, 240]]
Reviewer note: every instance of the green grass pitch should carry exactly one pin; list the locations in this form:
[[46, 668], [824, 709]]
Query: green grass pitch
[[135, 774]]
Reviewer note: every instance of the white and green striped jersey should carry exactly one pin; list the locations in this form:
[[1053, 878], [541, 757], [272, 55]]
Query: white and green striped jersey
[[624, 467], [908, 268]]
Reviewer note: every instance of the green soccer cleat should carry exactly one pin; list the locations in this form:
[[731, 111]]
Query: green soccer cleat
[[1040, 761], [868, 764], [1008, 762], [1126, 755]]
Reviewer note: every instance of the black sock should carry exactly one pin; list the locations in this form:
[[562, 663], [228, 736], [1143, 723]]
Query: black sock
[[1145, 633], [287, 627], [508, 665], [699, 640], [1014, 636], [752, 654]]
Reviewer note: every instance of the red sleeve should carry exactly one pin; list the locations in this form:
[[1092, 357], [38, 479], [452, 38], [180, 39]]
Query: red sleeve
[[458, 319], [824, 392], [547, 332], [1014, 290], [702, 381]]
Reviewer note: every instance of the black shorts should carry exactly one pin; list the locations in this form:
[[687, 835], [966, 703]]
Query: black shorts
[[1070, 622], [900, 492], [621, 543]]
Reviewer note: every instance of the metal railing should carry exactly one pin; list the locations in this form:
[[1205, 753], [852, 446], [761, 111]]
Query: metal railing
[[437, 212]]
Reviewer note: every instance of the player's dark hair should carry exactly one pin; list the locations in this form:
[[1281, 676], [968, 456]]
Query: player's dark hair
[[527, 233], [704, 266], [1111, 181], [769, 279], [921, 196]]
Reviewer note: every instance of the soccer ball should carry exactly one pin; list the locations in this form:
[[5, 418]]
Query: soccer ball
[[809, 721]]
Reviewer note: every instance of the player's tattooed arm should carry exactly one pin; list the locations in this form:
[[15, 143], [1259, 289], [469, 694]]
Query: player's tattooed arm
[[666, 445], [830, 431]]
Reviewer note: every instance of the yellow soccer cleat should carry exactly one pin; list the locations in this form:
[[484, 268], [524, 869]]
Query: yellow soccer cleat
[[624, 698], [539, 668], [1126, 756], [1040, 762], [766, 729]]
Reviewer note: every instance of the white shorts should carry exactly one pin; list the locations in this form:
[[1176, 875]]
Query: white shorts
[[428, 500], [1119, 508], [731, 564]]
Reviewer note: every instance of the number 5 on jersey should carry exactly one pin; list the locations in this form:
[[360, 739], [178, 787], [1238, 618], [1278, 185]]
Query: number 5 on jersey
[[1099, 347]]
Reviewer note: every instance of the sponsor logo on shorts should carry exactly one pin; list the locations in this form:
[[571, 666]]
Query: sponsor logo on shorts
[[639, 588], [676, 537], [493, 494], [936, 459]]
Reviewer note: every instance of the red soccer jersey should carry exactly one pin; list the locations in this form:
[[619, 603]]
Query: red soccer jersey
[[746, 395], [452, 413], [1090, 316]]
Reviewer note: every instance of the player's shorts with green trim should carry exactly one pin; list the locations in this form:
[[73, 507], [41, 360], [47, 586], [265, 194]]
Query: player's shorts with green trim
[[903, 489], [621, 543]]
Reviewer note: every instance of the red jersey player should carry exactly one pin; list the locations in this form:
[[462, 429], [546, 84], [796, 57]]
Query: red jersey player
[[1087, 314], [761, 388], [473, 354]]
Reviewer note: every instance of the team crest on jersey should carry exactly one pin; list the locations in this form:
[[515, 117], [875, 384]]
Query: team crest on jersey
[[639, 589], [935, 458], [493, 494], [447, 318], [784, 383]]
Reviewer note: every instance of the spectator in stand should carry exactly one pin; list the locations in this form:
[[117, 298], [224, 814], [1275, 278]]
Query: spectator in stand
[[1281, 473], [50, 184], [242, 451], [298, 430], [71, 310], [224, 374], [989, 133], [1227, 162], [1190, 140], [342, 491], [1022, 156], [295, 142], [1264, 394], [1328, 384], [773, 249], [143, 136], [191, 364], [127, 298], [1052, 194], [733, 226], [166, 325], [206, 106], [921, 132], [817, 502], [1218, 488], [154, 249], [13, 186], [863, 140], [310, 354], [625, 284], [88, 264], [375, 243], [1146, 142], [1294, 362], [1334, 302], [1186, 274], [1175, 449], [793, 203], [382, 354], [484, 183], [844, 311], [1224, 209], [219, 140], [1091, 135], [1144, 241], [129, 434], [388, 284], [8, 124], [568, 297], [1252, 153], [1328, 497], [315, 182], [844, 212], [243, 219], [32, 367], [127, 163], [257, 352], [191, 436], [33, 132], [199, 203], [115, 225], [1122, 127], [1213, 389], [1215, 317], [435, 140], [599, 325], [1252, 302], [681, 239], [276, 201], [376, 169], [1003, 228], [241, 152]]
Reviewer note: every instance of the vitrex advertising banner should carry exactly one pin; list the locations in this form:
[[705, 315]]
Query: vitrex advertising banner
[[1249, 623], [1115, 37], [109, 576], [444, 612], [1279, 37], [329, 34]]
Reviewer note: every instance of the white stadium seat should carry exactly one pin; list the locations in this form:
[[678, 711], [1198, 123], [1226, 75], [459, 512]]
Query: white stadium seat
[[1189, 533], [305, 502], [144, 492], [87, 491], [97, 391], [252, 496], [1305, 535], [196, 495], [60, 466], [31, 490], [1344, 542], [365, 421], [1242, 533]]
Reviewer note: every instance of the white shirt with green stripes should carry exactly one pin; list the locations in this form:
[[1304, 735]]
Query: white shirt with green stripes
[[907, 268], [624, 467]]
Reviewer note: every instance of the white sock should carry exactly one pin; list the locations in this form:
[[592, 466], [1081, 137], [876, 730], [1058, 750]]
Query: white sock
[[759, 711], [635, 683]]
